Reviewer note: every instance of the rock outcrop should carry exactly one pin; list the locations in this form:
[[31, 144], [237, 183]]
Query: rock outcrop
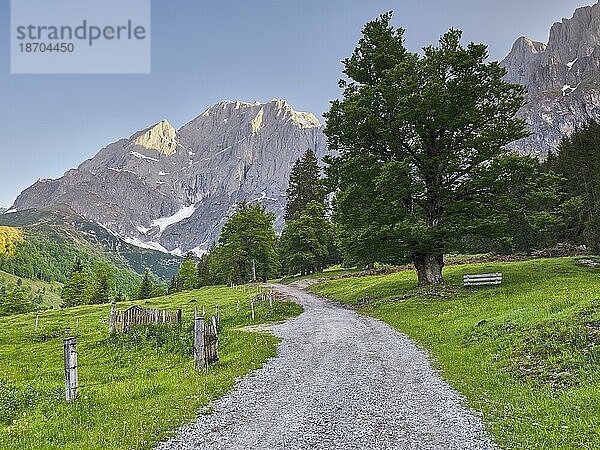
[[172, 190], [562, 78]]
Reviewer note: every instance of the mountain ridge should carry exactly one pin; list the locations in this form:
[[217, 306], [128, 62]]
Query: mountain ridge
[[562, 78], [171, 190]]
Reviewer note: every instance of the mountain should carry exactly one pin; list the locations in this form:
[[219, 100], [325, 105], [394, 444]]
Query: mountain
[[562, 78], [55, 236], [172, 190]]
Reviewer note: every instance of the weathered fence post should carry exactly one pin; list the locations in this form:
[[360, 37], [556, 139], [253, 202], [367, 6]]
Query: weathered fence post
[[37, 318], [111, 320], [199, 343], [217, 314], [270, 299], [252, 306], [216, 344], [203, 311], [238, 305], [195, 312], [179, 315], [71, 369], [214, 324]]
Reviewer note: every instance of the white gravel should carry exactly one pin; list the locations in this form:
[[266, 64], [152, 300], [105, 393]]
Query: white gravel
[[340, 381]]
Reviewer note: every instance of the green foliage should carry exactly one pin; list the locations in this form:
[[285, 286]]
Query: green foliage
[[248, 235], [304, 243], [75, 290], [421, 149], [102, 287], [16, 301], [578, 161], [171, 338], [305, 184], [187, 277], [47, 258], [526, 354], [149, 288]]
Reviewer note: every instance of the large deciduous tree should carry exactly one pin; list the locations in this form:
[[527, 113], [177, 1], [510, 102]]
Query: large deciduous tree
[[247, 236], [304, 243], [421, 142]]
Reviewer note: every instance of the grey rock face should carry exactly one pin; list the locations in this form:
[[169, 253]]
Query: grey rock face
[[172, 190], [562, 78]]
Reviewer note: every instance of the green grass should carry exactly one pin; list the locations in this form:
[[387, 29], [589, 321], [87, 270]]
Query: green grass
[[330, 272], [525, 354], [135, 390], [50, 291]]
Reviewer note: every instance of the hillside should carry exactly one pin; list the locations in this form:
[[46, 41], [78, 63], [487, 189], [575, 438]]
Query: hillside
[[56, 236], [526, 354], [48, 292]]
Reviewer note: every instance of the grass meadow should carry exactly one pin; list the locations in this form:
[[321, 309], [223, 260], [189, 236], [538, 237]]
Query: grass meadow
[[136, 389], [525, 354]]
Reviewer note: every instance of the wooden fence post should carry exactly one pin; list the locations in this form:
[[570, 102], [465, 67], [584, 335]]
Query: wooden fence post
[[252, 306], [217, 314], [199, 343], [203, 311], [179, 315], [270, 299], [71, 369], [195, 312], [37, 318], [216, 331], [238, 305], [213, 319], [113, 315]]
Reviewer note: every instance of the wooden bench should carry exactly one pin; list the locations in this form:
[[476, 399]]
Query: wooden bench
[[482, 279]]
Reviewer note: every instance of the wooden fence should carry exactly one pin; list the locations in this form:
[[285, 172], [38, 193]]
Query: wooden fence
[[206, 342], [136, 315]]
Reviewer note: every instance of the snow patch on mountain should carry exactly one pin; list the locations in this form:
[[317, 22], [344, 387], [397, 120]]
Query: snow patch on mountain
[[164, 222], [139, 155]]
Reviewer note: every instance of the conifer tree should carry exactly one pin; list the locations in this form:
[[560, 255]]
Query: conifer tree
[[146, 288], [304, 184], [172, 285]]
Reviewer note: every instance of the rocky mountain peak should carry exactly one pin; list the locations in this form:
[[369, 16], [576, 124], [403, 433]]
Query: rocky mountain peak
[[173, 190], [161, 137], [562, 79]]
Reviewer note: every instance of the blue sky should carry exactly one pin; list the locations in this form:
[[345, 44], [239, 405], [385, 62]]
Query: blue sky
[[207, 51]]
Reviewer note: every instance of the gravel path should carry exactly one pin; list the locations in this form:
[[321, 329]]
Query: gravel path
[[340, 381]]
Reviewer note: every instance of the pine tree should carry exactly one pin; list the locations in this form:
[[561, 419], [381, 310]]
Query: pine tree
[[304, 184], [187, 278], [172, 285], [102, 287], [146, 288], [74, 291]]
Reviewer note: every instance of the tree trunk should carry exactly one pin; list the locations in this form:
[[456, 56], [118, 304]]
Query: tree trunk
[[429, 268]]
